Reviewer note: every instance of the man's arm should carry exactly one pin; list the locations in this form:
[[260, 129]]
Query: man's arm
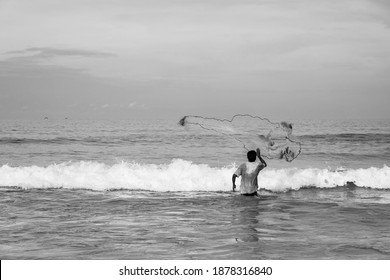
[[260, 158], [234, 182]]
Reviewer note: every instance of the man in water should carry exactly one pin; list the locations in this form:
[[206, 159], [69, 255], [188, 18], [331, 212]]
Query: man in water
[[248, 172]]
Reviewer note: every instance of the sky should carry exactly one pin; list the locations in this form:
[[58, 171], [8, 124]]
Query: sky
[[163, 59]]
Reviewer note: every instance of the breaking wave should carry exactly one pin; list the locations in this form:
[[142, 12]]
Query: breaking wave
[[181, 175]]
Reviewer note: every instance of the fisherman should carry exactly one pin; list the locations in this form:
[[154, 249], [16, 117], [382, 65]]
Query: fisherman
[[248, 172]]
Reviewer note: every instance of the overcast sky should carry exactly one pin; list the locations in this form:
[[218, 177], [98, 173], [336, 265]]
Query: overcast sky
[[125, 59]]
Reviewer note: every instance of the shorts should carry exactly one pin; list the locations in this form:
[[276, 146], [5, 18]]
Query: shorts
[[250, 194]]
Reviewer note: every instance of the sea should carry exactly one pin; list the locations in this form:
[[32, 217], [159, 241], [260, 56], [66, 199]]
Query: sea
[[151, 189]]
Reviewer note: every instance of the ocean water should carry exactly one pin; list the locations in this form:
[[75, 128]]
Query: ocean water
[[155, 190]]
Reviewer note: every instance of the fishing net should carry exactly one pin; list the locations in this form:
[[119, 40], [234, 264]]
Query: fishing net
[[275, 139]]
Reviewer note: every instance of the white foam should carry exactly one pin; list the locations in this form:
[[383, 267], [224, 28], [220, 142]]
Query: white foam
[[180, 175], [286, 179]]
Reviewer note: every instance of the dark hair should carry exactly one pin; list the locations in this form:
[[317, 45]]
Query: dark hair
[[251, 156]]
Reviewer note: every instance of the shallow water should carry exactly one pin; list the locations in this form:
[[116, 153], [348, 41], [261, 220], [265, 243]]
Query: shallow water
[[345, 223]]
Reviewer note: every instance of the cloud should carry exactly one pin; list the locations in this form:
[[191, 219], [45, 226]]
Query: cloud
[[194, 54], [55, 52], [29, 89], [43, 58]]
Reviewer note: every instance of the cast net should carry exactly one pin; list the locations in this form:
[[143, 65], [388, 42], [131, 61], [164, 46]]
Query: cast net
[[275, 139]]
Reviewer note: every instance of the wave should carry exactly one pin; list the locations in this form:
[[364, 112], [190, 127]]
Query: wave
[[181, 175], [57, 140], [99, 140], [347, 137], [377, 138]]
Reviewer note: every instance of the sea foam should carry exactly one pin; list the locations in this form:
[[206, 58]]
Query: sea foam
[[181, 175]]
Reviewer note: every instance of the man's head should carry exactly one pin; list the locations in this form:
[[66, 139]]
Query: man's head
[[251, 156]]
